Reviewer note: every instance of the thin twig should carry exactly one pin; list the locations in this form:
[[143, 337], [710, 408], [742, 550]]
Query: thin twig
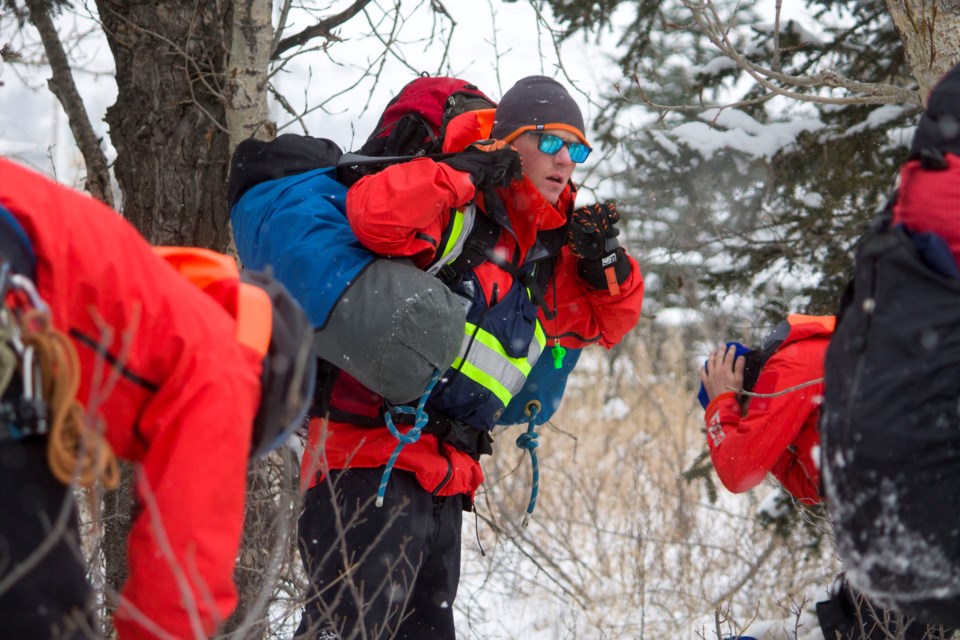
[[778, 393]]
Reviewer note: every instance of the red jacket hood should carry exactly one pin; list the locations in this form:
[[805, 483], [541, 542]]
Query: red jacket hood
[[922, 190], [803, 327]]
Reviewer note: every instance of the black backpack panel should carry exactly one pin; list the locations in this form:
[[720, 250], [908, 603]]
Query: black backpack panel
[[890, 430]]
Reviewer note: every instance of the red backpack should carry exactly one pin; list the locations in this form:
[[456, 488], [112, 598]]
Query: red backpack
[[412, 124], [415, 119]]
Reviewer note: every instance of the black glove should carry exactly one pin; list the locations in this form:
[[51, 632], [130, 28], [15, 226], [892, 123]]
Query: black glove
[[592, 233], [489, 163], [592, 237]]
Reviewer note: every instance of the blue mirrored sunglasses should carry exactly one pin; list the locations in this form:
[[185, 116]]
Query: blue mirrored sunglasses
[[551, 145]]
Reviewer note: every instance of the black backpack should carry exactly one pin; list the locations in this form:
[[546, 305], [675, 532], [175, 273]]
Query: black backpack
[[890, 427]]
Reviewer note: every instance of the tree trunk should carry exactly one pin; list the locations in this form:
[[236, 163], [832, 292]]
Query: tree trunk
[[168, 123], [167, 126], [246, 85], [246, 117], [930, 31]]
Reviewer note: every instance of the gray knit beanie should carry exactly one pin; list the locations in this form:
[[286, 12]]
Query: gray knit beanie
[[533, 104]]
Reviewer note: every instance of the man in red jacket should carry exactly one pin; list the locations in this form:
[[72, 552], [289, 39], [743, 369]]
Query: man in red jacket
[[764, 407], [168, 379], [548, 278]]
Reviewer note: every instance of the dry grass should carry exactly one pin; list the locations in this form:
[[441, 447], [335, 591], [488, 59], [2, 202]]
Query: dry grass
[[621, 545]]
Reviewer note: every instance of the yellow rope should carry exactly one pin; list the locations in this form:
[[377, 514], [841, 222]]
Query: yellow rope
[[75, 452]]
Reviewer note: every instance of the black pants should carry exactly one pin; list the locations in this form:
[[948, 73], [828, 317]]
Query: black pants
[[44, 592], [390, 571], [839, 619]]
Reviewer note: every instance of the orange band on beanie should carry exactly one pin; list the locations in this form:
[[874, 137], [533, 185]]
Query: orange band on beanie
[[541, 127]]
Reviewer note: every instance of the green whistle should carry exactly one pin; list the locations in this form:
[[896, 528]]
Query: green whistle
[[558, 352]]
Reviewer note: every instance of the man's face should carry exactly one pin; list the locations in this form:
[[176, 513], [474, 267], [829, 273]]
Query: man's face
[[549, 174]]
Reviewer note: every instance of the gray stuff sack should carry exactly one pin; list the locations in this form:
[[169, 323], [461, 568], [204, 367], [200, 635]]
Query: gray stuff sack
[[392, 329]]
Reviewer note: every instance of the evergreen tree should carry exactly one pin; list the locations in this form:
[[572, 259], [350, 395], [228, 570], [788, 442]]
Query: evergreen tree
[[758, 201]]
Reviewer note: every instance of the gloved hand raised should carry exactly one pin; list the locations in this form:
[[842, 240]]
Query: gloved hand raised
[[490, 163], [592, 232], [592, 237]]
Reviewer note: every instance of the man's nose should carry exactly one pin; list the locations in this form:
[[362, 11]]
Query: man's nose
[[563, 156]]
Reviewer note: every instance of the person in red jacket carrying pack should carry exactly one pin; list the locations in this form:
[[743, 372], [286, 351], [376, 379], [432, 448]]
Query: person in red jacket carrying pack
[[116, 352], [543, 277], [764, 405]]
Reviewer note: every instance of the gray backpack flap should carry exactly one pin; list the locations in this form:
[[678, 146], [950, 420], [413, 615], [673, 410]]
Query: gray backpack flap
[[392, 328]]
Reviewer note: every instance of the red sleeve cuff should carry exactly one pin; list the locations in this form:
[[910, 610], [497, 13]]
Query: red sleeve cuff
[[715, 402]]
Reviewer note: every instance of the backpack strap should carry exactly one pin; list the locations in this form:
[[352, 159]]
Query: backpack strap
[[464, 244], [533, 280]]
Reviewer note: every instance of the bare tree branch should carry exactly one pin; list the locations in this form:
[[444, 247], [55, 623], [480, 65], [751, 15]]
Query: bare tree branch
[[323, 28], [63, 86], [713, 27]]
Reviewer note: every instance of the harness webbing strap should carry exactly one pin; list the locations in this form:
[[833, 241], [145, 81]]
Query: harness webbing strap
[[471, 239], [529, 280]]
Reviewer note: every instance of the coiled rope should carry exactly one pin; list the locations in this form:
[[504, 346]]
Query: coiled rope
[[529, 442], [75, 452], [410, 437]]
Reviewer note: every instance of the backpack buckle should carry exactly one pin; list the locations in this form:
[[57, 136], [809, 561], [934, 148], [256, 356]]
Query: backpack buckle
[[447, 274]]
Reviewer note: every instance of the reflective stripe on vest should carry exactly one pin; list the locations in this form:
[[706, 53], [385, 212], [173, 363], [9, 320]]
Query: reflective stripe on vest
[[488, 364], [461, 224]]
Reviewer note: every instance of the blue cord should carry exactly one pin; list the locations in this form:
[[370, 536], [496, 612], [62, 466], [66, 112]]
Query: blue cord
[[420, 421], [529, 442]]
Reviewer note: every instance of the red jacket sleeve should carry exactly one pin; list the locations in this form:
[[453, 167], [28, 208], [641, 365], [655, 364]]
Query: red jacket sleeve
[[402, 210], [745, 449], [164, 376], [585, 315]]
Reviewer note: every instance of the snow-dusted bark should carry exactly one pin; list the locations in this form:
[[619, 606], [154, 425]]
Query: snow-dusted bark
[[930, 31]]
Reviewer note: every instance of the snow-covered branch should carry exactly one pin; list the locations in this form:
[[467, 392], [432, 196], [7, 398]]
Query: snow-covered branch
[[776, 82]]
